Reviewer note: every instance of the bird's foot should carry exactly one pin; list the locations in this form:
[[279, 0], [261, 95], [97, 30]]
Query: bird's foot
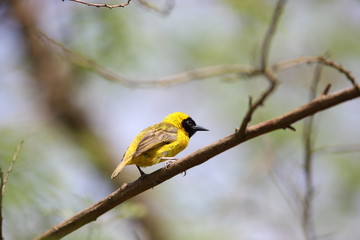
[[169, 161]]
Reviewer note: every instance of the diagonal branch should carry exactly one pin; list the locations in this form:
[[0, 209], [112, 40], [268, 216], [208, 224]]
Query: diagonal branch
[[127, 191]]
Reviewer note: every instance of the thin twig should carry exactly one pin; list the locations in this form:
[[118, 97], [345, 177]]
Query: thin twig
[[326, 89], [3, 182], [319, 59], [98, 5], [265, 49], [338, 149], [288, 189], [1, 200], [259, 102], [315, 83], [15, 156], [166, 10], [149, 181], [307, 206], [341, 69]]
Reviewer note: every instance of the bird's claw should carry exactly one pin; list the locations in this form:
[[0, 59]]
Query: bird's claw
[[170, 161]]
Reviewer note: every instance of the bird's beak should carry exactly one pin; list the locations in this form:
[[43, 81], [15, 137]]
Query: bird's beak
[[199, 128]]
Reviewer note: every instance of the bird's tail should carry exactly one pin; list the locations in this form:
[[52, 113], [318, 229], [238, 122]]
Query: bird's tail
[[118, 169]]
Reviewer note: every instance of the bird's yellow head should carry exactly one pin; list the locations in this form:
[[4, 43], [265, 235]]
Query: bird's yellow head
[[183, 121]]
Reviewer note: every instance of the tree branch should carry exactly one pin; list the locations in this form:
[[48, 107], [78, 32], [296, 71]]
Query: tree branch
[[166, 10], [3, 182], [320, 59], [186, 76], [7, 174], [307, 200], [171, 80], [1, 202], [127, 191], [268, 73], [272, 79], [265, 49], [98, 5]]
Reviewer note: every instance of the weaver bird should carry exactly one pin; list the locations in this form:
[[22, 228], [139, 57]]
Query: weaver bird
[[159, 142]]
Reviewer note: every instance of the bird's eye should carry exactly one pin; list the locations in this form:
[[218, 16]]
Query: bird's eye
[[190, 122]]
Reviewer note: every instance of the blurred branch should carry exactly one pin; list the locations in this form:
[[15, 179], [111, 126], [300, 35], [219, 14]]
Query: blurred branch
[[169, 6], [187, 76], [98, 5], [338, 149], [7, 174], [127, 191], [268, 73], [265, 49], [284, 180], [307, 206], [320, 59], [180, 78], [3, 182], [1, 200]]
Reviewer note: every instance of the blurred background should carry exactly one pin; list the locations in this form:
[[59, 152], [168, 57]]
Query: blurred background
[[77, 125]]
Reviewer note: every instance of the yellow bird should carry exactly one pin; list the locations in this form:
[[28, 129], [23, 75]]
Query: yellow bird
[[159, 142]]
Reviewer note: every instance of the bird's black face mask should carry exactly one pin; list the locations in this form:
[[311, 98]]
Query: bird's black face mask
[[190, 126]]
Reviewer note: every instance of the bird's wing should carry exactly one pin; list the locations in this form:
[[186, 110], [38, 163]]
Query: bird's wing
[[158, 135]]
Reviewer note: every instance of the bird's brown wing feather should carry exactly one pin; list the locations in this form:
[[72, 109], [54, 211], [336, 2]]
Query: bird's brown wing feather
[[160, 134]]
